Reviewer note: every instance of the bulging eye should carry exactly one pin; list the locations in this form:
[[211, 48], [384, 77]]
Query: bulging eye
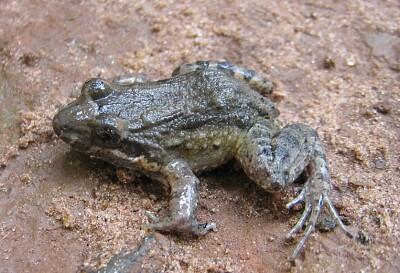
[[96, 88], [106, 137]]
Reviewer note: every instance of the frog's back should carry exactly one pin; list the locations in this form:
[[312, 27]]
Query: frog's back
[[203, 97]]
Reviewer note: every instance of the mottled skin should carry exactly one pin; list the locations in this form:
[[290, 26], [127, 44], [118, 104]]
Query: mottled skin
[[208, 113]]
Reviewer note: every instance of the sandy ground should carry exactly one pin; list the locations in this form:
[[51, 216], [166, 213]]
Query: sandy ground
[[336, 65]]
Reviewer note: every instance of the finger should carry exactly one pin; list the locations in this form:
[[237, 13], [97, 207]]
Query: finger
[[152, 217], [202, 229]]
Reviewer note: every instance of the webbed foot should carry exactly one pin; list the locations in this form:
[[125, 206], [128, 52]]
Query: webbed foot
[[314, 195]]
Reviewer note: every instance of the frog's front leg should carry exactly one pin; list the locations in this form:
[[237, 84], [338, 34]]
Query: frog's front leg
[[274, 158], [183, 202]]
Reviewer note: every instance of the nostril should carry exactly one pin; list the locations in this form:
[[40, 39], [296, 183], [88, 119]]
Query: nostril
[[61, 126]]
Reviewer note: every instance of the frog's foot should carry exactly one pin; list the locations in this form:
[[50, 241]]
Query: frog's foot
[[315, 193], [275, 158], [169, 223]]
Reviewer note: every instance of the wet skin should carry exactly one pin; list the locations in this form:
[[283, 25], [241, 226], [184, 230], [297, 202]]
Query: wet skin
[[206, 114]]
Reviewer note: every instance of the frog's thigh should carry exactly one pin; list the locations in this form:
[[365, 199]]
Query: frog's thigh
[[183, 201], [186, 68], [130, 79], [255, 81], [275, 159]]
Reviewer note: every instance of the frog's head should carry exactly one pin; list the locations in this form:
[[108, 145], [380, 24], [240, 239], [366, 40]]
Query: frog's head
[[83, 125]]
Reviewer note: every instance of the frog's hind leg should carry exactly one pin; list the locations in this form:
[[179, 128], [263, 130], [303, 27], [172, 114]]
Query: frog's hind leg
[[275, 159], [255, 81], [183, 202], [129, 79]]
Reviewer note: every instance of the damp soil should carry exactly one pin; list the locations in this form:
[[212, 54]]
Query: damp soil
[[336, 67]]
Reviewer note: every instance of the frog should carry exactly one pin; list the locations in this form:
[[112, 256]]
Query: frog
[[206, 114]]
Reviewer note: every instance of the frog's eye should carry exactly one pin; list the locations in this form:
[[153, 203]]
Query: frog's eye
[[96, 89], [106, 137]]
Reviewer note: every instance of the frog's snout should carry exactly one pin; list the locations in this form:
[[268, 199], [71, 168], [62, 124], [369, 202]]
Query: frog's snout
[[70, 133], [57, 125]]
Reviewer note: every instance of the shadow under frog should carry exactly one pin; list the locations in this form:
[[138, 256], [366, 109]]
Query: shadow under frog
[[206, 114]]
